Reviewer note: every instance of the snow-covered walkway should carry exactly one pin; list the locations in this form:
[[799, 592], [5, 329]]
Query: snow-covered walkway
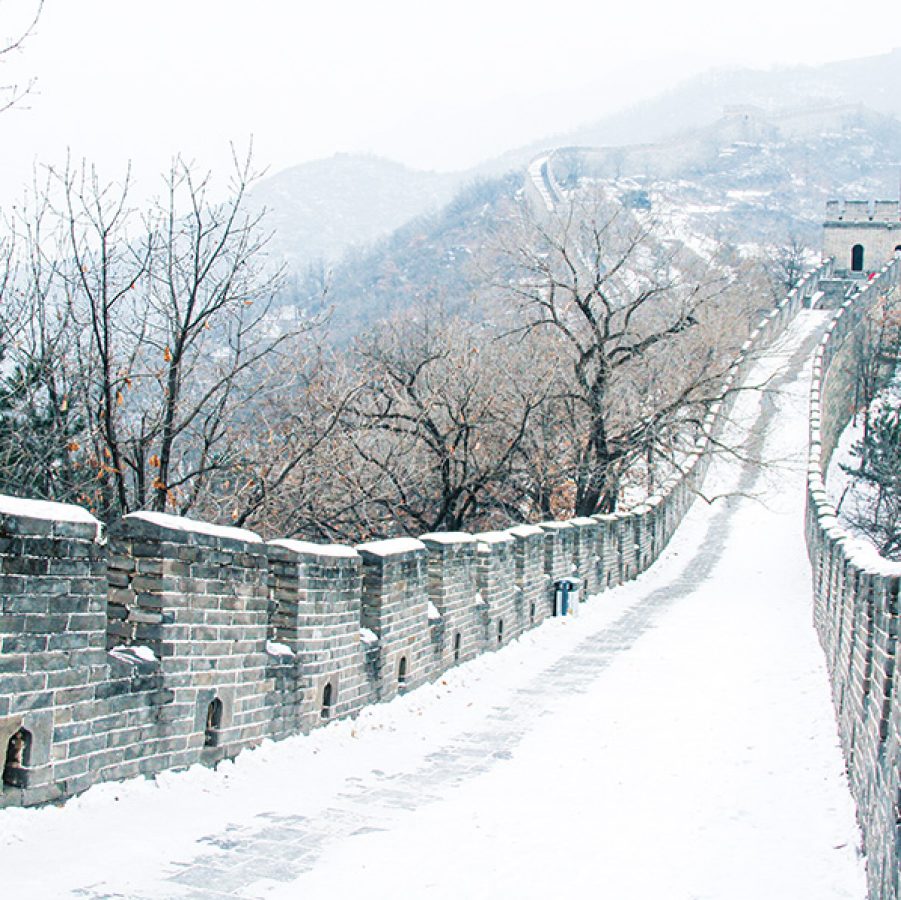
[[674, 741]]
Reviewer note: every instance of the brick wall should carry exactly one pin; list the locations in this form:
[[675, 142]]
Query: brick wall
[[856, 607], [171, 642], [52, 650]]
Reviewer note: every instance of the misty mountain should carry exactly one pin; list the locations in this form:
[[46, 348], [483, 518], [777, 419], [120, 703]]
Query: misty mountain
[[757, 175], [777, 170], [748, 181], [701, 101], [431, 260], [318, 209]]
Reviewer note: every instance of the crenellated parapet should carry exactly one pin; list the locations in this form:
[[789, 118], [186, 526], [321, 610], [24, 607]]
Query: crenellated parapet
[[167, 642], [52, 648], [395, 607], [503, 605], [315, 595], [531, 582], [198, 597], [856, 604]]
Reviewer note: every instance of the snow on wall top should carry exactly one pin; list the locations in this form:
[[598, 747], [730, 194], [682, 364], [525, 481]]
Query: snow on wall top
[[391, 546], [195, 526], [447, 537], [341, 551], [525, 530], [867, 558], [554, 525], [494, 537], [45, 509], [48, 511]]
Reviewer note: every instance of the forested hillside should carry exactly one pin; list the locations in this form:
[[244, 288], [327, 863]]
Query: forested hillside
[[751, 187], [487, 360]]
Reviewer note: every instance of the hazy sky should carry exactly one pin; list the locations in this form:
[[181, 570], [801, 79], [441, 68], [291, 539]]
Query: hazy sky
[[438, 86]]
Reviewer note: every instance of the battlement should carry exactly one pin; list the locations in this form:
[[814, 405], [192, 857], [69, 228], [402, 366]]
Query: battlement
[[857, 612], [163, 642], [861, 235], [863, 211]]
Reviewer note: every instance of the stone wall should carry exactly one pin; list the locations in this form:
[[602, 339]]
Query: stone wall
[[856, 606], [875, 225], [168, 642], [315, 608]]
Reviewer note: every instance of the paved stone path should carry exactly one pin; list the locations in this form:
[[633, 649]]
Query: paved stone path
[[251, 858]]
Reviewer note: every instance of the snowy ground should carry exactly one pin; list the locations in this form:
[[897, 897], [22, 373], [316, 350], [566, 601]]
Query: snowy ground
[[675, 741]]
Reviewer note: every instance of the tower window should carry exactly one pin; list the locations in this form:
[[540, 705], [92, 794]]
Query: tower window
[[857, 258]]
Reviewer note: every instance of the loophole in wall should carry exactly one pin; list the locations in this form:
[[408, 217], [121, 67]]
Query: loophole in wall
[[18, 752], [213, 723], [328, 700]]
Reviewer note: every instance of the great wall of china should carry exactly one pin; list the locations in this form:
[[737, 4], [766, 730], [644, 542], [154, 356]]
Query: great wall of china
[[163, 642], [856, 606]]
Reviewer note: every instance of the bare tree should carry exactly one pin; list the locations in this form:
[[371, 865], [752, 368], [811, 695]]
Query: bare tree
[[293, 454], [786, 264], [40, 424], [645, 333], [19, 373], [11, 94], [162, 335], [440, 425]]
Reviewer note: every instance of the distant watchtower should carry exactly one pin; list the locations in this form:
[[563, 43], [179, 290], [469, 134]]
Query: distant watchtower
[[862, 235]]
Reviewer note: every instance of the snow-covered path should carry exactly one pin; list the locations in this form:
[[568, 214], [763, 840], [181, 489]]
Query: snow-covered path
[[674, 741]]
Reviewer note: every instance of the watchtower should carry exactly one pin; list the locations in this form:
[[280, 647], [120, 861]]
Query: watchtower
[[862, 235]]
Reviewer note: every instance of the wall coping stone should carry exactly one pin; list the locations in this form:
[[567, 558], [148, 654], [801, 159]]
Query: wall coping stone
[[447, 537], [193, 526], [50, 511], [306, 548], [524, 531], [390, 547]]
